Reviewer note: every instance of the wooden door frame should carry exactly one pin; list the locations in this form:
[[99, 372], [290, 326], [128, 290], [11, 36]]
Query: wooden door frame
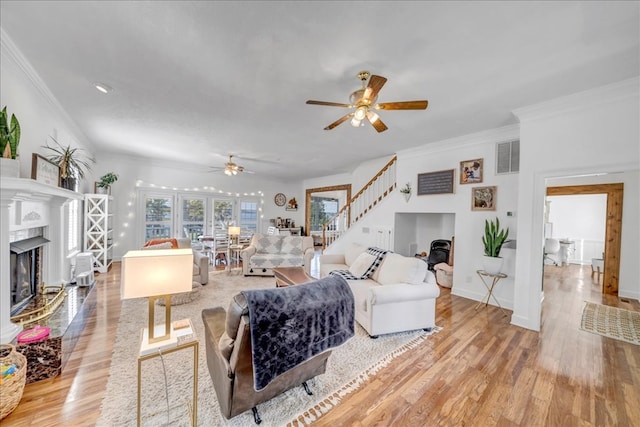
[[613, 229], [307, 204]]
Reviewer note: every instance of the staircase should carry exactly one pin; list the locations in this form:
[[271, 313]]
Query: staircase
[[378, 187]]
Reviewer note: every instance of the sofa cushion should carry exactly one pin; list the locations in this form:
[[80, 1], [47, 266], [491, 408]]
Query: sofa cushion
[[268, 244], [352, 252], [275, 260], [396, 268], [291, 245], [361, 265]]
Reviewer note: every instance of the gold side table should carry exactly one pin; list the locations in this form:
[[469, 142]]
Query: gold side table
[[495, 278], [186, 338]]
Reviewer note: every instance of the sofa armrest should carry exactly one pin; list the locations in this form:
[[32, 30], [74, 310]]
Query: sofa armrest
[[331, 259], [402, 292], [202, 261], [309, 253], [248, 252]]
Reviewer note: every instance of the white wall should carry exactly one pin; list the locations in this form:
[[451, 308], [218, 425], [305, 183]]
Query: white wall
[[587, 133], [185, 179], [468, 224]]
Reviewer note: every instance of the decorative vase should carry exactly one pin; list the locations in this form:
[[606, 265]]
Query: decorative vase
[[69, 183], [102, 190], [9, 168], [406, 196], [492, 265]]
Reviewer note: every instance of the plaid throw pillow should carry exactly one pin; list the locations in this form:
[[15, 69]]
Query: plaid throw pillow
[[377, 252]]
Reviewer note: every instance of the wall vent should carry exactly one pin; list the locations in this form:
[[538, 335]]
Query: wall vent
[[508, 157]]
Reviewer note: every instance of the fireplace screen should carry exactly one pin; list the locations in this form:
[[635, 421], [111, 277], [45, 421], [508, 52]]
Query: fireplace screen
[[25, 268]]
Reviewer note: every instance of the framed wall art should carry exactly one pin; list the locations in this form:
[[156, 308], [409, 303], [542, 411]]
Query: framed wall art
[[484, 198], [471, 171], [440, 182], [42, 170]]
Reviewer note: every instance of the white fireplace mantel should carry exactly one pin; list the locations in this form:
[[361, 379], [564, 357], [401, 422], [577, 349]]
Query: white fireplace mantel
[[28, 190]]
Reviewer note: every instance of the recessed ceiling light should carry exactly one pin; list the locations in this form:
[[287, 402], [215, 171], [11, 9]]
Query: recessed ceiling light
[[103, 87]]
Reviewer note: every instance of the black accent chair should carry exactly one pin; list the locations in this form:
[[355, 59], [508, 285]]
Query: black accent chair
[[438, 252]]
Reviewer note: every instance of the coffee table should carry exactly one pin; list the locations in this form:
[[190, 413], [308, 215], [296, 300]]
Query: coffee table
[[289, 276]]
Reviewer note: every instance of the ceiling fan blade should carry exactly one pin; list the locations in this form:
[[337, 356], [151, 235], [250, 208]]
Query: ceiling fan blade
[[406, 105], [339, 121], [375, 121], [375, 84], [330, 104]]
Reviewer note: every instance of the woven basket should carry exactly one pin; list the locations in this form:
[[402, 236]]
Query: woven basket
[[12, 388]]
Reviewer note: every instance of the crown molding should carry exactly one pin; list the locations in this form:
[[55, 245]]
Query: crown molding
[[11, 52], [580, 101], [501, 134]]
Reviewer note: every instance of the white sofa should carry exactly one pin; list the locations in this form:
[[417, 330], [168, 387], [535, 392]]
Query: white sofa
[[399, 296], [266, 252]]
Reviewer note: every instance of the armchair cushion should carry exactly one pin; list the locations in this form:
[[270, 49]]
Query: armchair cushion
[[269, 245]]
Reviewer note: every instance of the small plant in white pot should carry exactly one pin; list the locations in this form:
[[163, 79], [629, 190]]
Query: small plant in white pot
[[493, 239], [106, 180], [406, 192]]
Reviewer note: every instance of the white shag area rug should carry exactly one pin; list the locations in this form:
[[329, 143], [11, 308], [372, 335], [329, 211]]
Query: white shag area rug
[[349, 366]]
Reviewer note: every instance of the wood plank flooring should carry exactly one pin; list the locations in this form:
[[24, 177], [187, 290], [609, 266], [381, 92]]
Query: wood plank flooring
[[478, 371]]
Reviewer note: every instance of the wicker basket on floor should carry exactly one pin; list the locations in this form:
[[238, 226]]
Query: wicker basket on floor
[[11, 388]]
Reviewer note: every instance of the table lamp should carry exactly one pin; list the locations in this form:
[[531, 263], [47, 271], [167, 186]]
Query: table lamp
[[157, 274], [234, 232]]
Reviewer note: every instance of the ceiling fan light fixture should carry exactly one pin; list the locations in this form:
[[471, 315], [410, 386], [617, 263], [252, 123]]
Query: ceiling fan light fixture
[[360, 113], [355, 122], [373, 117]]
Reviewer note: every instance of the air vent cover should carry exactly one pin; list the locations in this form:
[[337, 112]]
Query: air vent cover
[[508, 157]]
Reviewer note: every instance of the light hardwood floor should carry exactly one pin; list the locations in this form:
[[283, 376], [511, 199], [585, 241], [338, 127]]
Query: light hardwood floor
[[478, 371]]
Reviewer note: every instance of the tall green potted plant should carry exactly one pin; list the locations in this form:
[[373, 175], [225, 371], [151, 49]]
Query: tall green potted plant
[[493, 239], [73, 164], [9, 140]]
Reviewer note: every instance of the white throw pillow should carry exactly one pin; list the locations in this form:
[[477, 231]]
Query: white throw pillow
[[362, 264], [352, 252]]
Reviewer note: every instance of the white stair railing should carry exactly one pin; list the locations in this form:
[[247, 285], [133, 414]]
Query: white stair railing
[[378, 187]]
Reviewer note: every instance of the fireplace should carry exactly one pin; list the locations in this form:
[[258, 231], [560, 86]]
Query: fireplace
[[25, 271]]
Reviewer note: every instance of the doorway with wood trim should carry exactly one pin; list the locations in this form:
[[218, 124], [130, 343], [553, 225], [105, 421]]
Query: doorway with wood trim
[[613, 228]]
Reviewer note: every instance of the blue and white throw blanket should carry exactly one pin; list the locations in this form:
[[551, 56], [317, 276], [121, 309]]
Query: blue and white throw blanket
[[293, 324], [377, 252]]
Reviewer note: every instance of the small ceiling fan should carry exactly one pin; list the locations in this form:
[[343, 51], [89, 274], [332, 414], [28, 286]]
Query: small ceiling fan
[[364, 100], [230, 168]]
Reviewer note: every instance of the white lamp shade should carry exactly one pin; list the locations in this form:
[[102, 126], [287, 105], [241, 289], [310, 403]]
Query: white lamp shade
[[234, 231], [156, 272]]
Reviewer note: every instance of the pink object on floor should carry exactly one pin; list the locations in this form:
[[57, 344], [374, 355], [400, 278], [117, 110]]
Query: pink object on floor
[[34, 334]]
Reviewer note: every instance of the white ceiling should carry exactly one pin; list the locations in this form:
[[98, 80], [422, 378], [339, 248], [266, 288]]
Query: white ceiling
[[195, 81]]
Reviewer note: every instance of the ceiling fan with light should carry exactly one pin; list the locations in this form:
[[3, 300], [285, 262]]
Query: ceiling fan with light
[[230, 168], [364, 101]]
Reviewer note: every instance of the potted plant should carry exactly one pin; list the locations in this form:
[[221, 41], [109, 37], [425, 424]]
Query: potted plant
[[9, 140], [73, 164], [406, 191], [493, 239], [104, 185]]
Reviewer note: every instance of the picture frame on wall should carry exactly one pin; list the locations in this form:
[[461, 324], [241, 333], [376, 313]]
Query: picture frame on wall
[[484, 198], [471, 171], [42, 170]]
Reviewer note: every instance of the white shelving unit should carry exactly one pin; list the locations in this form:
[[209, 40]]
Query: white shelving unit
[[98, 230]]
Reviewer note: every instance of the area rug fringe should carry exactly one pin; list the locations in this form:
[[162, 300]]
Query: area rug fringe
[[312, 414]]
